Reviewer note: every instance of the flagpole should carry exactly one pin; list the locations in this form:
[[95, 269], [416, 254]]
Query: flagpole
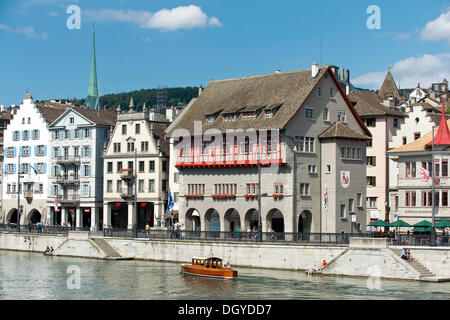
[[432, 188]]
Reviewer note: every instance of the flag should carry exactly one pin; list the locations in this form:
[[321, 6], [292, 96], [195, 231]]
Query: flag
[[170, 204], [424, 173], [325, 198]]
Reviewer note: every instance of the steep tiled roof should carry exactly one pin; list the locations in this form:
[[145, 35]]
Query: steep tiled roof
[[288, 90], [159, 132], [51, 111], [340, 130], [100, 117], [389, 88], [368, 103]]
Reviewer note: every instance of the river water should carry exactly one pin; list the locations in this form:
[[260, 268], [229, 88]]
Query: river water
[[26, 276]]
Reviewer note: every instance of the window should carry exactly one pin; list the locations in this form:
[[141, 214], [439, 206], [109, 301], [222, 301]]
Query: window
[[351, 153], [40, 151], [23, 120], [119, 166], [35, 134], [25, 135], [370, 122], [342, 211], [130, 146], [309, 113], [141, 166], [269, 114], [359, 199], [119, 186], [71, 120], [164, 165], [416, 135], [164, 185], [109, 167], [87, 132], [76, 151], [444, 172], [404, 140], [437, 167], [325, 114], [175, 197], [350, 205], [137, 128], [16, 135], [372, 202], [371, 181], [331, 92], [116, 147], [305, 144], [444, 199], [396, 123], [109, 186], [371, 161], [176, 177], [229, 117], [410, 198], [426, 199], [319, 91], [76, 135], [210, 118], [141, 186], [304, 189], [151, 185], [124, 129], [341, 116], [144, 146], [312, 168], [328, 168], [151, 167], [26, 151], [66, 134], [410, 169]]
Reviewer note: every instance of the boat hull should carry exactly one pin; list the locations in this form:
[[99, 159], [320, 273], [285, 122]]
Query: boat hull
[[224, 273]]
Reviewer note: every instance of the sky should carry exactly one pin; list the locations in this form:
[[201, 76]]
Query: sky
[[177, 43]]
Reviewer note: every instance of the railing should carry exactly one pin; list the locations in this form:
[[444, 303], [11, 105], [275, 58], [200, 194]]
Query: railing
[[69, 198], [68, 159], [68, 179], [279, 237], [234, 155], [59, 230]]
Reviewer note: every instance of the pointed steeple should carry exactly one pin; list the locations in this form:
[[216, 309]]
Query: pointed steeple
[[389, 88], [131, 106], [443, 134], [92, 100]]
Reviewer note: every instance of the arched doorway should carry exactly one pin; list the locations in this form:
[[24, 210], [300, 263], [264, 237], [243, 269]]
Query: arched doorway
[[251, 218], [304, 222], [212, 220], [232, 220], [12, 216], [192, 220], [34, 216], [275, 220]]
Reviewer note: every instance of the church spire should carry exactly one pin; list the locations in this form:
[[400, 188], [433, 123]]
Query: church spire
[[92, 101], [443, 134]]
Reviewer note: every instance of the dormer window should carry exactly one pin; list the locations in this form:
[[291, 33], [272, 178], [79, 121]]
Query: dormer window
[[229, 117], [269, 114], [341, 116], [210, 118], [249, 115]]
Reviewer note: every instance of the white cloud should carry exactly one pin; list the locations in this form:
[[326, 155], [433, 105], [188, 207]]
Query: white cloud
[[438, 29], [187, 17], [24, 30], [425, 70]]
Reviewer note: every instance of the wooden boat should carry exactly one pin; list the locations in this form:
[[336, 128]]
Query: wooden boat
[[208, 267]]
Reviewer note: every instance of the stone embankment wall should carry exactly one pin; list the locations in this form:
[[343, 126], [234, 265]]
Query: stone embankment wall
[[362, 258]]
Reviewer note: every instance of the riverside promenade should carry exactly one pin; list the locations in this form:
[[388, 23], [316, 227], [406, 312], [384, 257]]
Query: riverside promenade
[[360, 257]]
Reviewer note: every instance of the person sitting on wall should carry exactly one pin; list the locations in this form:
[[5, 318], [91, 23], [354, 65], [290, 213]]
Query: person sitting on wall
[[47, 250], [404, 254], [408, 255]]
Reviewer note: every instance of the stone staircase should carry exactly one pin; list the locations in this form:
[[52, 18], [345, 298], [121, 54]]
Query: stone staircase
[[425, 274], [111, 253]]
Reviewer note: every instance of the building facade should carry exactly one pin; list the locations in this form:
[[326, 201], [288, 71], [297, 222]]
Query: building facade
[[136, 171], [78, 139], [27, 145], [277, 144]]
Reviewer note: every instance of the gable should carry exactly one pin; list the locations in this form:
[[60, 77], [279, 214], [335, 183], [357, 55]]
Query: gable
[[65, 120]]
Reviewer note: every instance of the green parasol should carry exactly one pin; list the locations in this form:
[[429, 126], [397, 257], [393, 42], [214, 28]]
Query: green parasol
[[442, 224], [423, 224], [379, 223], [399, 223]]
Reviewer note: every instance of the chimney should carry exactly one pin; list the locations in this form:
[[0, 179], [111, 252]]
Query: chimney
[[347, 82], [314, 69], [200, 89], [277, 71]]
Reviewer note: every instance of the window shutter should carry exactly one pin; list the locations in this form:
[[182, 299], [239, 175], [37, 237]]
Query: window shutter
[[38, 134], [20, 151]]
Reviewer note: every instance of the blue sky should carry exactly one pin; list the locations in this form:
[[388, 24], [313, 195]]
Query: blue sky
[[146, 44]]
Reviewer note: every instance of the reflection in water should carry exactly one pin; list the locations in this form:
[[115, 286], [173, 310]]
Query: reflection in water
[[35, 276]]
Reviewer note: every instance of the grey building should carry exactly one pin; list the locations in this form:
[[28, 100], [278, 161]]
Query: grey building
[[299, 129]]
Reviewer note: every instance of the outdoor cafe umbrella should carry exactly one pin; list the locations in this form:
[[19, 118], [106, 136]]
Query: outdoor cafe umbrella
[[423, 224], [399, 223], [442, 224], [379, 223]]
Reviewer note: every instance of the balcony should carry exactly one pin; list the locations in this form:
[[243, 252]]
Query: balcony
[[66, 160], [28, 194], [126, 174], [233, 156], [68, 179], [69, 199], [127, 194]]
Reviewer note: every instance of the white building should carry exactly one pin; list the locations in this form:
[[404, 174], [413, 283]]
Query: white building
[[27, 136]]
